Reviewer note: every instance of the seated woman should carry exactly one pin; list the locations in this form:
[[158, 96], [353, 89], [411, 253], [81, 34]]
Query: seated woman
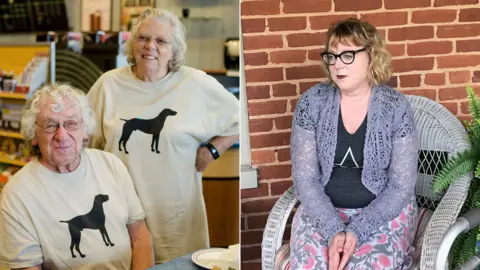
[[354, 160]]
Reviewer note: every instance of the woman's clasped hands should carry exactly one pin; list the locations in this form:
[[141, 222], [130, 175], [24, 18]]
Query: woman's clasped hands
[[341, 249]]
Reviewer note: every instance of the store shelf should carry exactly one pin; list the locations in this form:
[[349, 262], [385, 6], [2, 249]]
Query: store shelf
[[6, 160], [12, 95], [11, 134]]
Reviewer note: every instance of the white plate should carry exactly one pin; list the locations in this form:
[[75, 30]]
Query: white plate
[[206, 258]]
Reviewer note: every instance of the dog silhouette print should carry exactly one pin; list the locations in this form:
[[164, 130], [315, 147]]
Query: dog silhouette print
[[149, 126], [95, 220]]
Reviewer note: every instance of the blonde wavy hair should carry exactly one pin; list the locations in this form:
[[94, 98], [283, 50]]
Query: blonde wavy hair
[[362, 34], [178, 34]]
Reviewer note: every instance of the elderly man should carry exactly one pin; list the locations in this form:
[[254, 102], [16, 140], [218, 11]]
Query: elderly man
[[71, 207]]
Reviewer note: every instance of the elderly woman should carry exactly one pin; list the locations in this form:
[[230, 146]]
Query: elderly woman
[[71, 207], [166, 122], [354, 158]]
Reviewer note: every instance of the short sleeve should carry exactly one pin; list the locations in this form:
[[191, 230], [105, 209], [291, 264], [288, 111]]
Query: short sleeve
[[223, 109], [19, 245], [135, 209], [96, 101]]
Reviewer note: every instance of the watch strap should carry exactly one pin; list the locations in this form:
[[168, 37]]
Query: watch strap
[[213, 150]]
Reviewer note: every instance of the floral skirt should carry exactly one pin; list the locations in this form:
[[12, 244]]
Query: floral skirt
[[389, 247]]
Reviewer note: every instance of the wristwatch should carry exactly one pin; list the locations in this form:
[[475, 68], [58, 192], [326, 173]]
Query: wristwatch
[[213, 150]]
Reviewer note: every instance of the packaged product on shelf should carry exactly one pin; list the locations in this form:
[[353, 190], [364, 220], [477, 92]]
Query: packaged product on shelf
[[23, 152], [9, 82], [11, 114], [9, 148], [34, 75], [14, 149]]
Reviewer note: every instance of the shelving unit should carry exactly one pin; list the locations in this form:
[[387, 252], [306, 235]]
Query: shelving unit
[[12, 161], [11, 134], [4, 158], [13, 95], [15, 57]]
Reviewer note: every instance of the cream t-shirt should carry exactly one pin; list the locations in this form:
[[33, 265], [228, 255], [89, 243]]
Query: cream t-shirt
[[177, 113], [44, 213]]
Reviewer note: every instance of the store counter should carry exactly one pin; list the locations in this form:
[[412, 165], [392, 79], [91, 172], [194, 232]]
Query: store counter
[[221, 192]]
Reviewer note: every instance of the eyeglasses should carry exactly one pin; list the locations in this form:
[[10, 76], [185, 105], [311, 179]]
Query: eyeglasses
[[347, 57], [69, 125], [159, 42]]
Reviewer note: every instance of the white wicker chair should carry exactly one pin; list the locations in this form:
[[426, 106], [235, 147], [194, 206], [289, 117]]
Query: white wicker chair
[[441, 135]]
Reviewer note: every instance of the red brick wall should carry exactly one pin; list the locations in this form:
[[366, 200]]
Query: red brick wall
[[435, 46]]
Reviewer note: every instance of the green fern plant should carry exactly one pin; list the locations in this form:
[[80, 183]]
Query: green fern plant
[[467, 161]]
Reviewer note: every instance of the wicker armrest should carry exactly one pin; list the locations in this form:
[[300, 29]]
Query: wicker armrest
[[275, 227], [444, 216]]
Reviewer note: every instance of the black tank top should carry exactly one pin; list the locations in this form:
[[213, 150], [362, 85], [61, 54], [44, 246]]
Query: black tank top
[[345, 187]]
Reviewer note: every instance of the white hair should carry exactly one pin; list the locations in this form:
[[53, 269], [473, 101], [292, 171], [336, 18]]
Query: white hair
[[178, 33], [56, 93]]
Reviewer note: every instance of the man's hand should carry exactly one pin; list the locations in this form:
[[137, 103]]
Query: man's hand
[[336, 247], [348, 249], [204, 157]]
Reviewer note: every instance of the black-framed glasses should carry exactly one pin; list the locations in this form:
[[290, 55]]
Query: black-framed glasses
[[347, 57], [69, 125]]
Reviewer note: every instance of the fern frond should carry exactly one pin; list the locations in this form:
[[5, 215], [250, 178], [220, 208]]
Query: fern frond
[[474, 104], [475, 201], [477, 169], [461, 164], [470, 244], [474, 136], [465, 250]]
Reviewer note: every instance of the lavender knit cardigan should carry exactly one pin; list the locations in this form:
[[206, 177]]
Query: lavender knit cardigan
[[390, 158]]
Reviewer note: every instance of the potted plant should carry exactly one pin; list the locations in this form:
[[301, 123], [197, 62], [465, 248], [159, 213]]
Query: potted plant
[[467, 161]]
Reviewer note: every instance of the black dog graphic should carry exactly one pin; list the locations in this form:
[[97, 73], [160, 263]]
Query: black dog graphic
[[150, 126], [95, 220]]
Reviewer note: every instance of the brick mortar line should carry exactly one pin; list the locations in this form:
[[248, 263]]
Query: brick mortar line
[[303, 65], [270, 132], [318, 80], [282, 147], [272, 164], [254, 199], [318, 62], [403, 42], [268, 148], [421, 87], [253, 101], [273, 181], [269, 189], [279, 131], [388, 42], [456, 22], [373, 11]]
